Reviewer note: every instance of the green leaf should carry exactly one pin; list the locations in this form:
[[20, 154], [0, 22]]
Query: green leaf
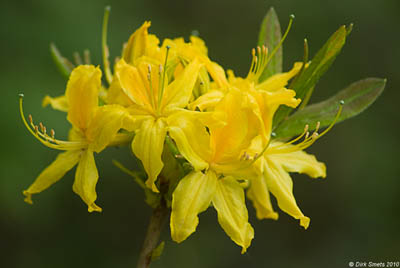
[[318, 66], [269, 36], [357, 97], [156, 253], [63, 65]]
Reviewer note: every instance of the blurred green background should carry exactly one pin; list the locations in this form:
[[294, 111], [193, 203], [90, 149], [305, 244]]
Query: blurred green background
[[354, 212]]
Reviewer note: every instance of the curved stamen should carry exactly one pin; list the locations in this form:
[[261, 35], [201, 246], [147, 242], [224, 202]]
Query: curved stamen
[[46, 139], [309, 139]]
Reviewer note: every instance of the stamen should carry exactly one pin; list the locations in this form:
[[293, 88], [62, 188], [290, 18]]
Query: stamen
[[291, 18], [160, 69], [43, 137], [317, 126], [30, 119], [86, 56], [104, 46], [305, 132], [41, 127], [253, 62], [308, 140], [259, 62], [150, 85], [77, 58], [163, 77]]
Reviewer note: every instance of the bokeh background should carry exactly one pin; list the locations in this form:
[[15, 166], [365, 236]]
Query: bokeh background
[[354, 212]]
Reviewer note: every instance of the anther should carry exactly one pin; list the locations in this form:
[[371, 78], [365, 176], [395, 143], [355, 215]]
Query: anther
[[317, 126], [149, 68], [307, 134], [52, 133], [273, 134], [314, 135], [30, 119], [41, 127], [265, 50], [341, 102], [258, 49], [44, 131], [160, 69], [36, 129], [253, 52]]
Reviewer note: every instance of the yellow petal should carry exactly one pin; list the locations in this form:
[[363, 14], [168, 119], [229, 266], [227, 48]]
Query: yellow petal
[[148, 145], [86, 177], [299, 161], [229, 141], [134, 83], [280, 80], [191, 137], [58, 103], [82, 93], [199, 44], [53, 173], [178, 93], [258, 193], [137, 44], [108, 120], [232, 212], [217, 73], [281, 186], [192, 196], [115, 94], [268, 103], [208, 100]]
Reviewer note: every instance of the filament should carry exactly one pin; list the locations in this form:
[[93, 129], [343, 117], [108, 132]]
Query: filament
[[309, 139], [163, 77], [45, 139]]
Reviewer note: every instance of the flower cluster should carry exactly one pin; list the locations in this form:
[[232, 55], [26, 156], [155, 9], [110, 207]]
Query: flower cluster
[[203, 135]]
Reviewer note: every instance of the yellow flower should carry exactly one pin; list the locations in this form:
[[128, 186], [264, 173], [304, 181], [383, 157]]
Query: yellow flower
[[93, 128], [264, 97], [153, 100], [143, 46], [273, 160], [215, 155]]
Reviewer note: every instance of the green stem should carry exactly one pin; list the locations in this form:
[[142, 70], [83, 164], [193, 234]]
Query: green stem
[[151, 241]]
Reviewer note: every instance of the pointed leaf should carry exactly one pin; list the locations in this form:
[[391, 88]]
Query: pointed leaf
[[318, 66], [357, 97], [269, 36]]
